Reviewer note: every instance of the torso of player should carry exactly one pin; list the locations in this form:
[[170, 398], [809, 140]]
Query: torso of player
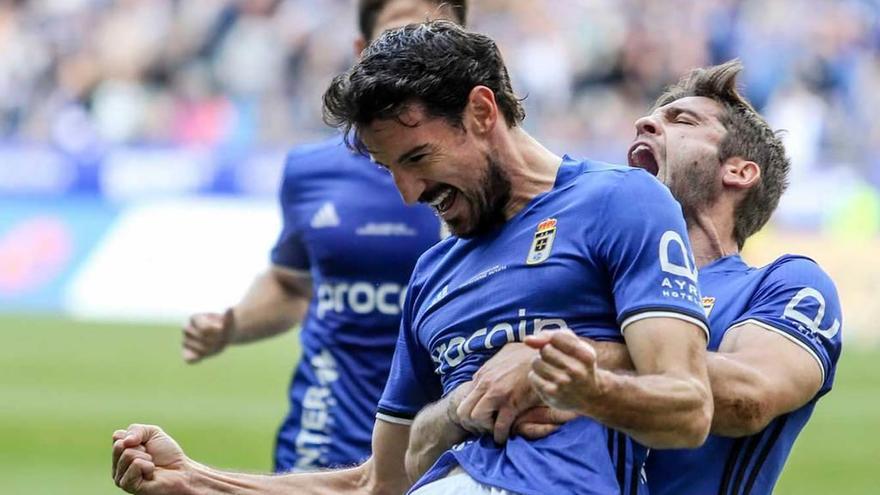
[[534, 274], [540, 272], [748, 465], [361, 241]]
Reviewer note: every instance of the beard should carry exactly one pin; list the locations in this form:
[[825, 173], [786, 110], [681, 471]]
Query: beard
[[486, 203], [695, 188]]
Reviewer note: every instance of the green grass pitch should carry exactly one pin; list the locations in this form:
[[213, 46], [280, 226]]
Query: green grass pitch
[[66, 385]]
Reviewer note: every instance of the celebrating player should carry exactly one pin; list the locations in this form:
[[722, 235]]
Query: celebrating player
[[340, 267], [543, 242], [776, 329]]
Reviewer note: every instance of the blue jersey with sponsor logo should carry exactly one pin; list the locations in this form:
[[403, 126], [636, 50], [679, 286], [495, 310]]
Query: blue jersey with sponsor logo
[[585, 255], [344, 224], [793, 297]]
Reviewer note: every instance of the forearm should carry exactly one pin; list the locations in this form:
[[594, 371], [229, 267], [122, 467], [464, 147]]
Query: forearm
[[740, 410], [433, 432], [205, 480], [612, 356], [268, 308], [659, 411]]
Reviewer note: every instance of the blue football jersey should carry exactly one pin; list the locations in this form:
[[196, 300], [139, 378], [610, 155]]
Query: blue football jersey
[[344, 224], [604, 247], [793, 297]]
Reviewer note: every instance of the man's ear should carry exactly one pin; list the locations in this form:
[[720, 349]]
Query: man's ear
[[739, 173], [481, 112], [359, 44]]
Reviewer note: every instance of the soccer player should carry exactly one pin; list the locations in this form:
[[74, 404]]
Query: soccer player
[[775, 330], [340, 268], [542, 242]]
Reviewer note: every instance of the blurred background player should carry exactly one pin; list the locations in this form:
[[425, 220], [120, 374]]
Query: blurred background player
[[340, 268]]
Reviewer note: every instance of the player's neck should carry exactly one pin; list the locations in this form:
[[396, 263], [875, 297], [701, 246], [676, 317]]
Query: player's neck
[[531, 168], [711, 235]]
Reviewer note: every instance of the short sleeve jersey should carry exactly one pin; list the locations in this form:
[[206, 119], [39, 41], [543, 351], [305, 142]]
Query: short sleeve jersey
[[792, 297], [345, 225], [585, 256]]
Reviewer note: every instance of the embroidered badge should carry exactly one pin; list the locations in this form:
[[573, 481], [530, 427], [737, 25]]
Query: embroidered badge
[[543, 242]]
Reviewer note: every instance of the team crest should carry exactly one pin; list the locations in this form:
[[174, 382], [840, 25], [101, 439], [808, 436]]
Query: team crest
[[543, 242], [708, 304]]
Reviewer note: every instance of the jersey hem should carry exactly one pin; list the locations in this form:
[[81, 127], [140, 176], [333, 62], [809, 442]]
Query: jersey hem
[[299, 272], [664, 313], [499, 484], [397, 420], [279, 262]]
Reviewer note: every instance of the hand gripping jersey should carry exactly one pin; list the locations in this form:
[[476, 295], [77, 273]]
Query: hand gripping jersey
[[605, 247], [345, 225], [793, 297]]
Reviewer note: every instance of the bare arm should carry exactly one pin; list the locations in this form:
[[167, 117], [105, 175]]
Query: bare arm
[[498, 400], [666, 404], [146, 461], [434, 431], [277, 300], [757, 375], [501, 391]]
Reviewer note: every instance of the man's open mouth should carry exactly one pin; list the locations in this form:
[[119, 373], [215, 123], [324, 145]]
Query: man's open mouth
[[642, 156], [443, 199]]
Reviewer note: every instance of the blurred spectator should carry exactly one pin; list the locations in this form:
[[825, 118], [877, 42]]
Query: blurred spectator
[[248, 74]]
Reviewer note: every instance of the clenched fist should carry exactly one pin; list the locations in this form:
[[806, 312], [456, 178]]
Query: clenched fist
[[146, 461], [207, 334], [565, 373]]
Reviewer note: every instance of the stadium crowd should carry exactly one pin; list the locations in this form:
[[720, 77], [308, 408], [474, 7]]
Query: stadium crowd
[[243, 75], [250, 72]]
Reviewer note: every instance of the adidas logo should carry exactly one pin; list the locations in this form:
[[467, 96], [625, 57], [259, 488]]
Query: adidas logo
[[325, 217]]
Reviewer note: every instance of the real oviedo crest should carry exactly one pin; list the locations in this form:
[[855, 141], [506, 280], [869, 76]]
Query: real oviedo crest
[[542, 244]]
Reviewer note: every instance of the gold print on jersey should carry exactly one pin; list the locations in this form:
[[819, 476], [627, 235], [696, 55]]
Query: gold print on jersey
[[708, 304], [543, 242]]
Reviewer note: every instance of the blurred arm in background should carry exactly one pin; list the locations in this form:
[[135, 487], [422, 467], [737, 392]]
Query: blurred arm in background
[[276, 301]]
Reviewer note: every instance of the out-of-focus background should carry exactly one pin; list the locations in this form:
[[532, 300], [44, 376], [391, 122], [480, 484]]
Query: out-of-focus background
[[141, 145]]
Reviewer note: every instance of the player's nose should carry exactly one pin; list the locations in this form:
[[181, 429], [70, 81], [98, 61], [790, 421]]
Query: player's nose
[[647, 125], [409, 186]]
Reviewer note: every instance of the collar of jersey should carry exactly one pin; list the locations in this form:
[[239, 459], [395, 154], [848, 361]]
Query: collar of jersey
[[567, 171], [729, 263]]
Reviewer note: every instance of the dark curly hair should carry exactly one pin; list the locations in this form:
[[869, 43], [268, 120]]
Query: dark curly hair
[[435, 64], [748, 136]]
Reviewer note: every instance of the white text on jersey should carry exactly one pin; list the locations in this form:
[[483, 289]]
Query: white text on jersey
[[361, 298], [451, 353]]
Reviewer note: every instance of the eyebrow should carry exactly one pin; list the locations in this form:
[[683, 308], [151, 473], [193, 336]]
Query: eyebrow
[[412, 151], [673, 112]]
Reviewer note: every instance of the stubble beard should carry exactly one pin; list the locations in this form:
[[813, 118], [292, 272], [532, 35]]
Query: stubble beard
[[696, 189], [487, 204]]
